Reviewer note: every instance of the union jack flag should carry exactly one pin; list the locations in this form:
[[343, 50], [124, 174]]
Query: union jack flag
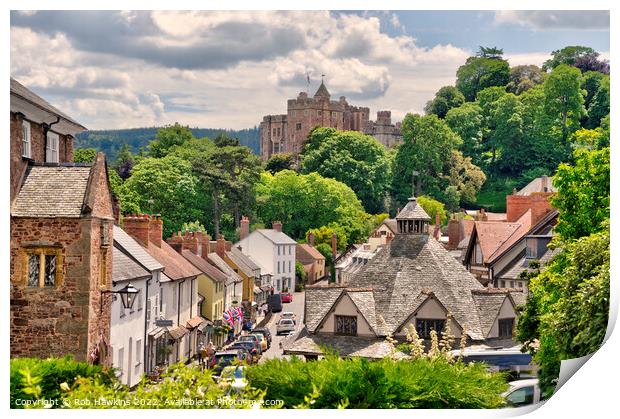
[[239, 313], [228, 317]]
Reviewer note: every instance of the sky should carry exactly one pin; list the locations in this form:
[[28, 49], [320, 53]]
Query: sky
[[227, 69]]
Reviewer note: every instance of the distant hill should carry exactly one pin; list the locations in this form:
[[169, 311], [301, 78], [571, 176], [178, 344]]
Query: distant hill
[[110, 141]]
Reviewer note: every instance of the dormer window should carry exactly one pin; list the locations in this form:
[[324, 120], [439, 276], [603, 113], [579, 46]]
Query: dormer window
[[51, 152], [26, 136]]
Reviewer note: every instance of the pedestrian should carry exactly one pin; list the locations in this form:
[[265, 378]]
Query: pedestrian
[[201, 348], [209, 352]]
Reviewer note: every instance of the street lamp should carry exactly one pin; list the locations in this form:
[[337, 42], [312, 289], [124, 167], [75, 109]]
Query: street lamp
[[127, 293]]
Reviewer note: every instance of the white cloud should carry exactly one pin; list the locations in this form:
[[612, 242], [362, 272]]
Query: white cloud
[[109, 88]]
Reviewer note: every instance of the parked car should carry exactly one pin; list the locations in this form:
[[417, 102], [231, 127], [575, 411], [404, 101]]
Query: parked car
[[289, 315], [275, 303], [249, 348], [226, 358], [235, 376], [523, 393], [284, 326], [265, 332], [286, 297], [254, 339], [263, 341]]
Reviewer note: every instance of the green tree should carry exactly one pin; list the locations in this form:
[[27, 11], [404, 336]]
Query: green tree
[[599, 107], [564, 99], [590, 82], [355, 159], [432, 207], [567, 55], [168, 137], [524, 77], [124, 162], [479, 73], [446, 98], [488, 99], [427, 146], [165, 186], [467, 122], [465, 177], [280, 161], [490, 52], [323, 235], [583, 194], [508, 134], [224, 140], [84, 155], [303, 202]]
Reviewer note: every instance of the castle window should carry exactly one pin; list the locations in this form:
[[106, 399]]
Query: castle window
[[305, 112], [43, 267], [274, 132], [293, 113], [298, 126], [51, 152], [346, 325], [26, 139], [318, 113]]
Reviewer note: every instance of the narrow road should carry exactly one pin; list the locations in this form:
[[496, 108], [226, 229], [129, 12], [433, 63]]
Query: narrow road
[[297, 307]]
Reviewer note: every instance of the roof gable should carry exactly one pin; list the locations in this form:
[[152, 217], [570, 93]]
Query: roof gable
[[489, 303], [175, 266], [309, 252], [133, 248], [209, 270], [125, 268], [319, 301]]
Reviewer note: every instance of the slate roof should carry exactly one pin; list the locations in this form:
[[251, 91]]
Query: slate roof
[[322, 91], [319, 301], [211, 271], [411, 265], [521, 263], [20, 90], [412, 211], [365, 347], [489, 302], [125, 268], [133, 248], [52, 191], [275, 236], [365, 302], [175, 266], [217, 261], [244, 262], [391, 224], [538, 185]]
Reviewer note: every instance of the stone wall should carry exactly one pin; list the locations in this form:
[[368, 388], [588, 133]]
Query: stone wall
[[50, 321]]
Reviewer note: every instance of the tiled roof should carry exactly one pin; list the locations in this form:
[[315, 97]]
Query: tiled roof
[[495, 236], [365, 302], [364, 347], [310, 252], [211, 271], [175, 266], [52, 191], [232, 276], [416, 264], [489, 303], [322, 91], [20, 90], [521, 263], [525, 223], [496, 216], [275, 236], [391, 224], [134, 249], [519, 297], [413, 211], [125, 268]]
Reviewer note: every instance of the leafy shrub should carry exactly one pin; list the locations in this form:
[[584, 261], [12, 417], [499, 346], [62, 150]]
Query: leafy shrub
[[46, 375], [358, 383]]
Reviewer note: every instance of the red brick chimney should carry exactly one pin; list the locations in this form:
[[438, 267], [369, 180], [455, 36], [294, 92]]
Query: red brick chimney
[[437, 230], [156, 230], [116, 210], [205, 246], [137, 226], [277, 225], [176, 241], [190, 242], [334, 243], [244, 229], [220, 246], [540, 205], [311, 239], [454, 232]]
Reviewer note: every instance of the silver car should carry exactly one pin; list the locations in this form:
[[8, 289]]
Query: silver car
[[285, 326]]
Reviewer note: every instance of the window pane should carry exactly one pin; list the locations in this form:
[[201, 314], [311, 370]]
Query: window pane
[[50, 270], [33, 271]]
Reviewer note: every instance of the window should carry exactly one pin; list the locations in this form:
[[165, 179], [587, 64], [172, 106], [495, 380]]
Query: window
[[521, 397], [120, 360], [279, 250], [478, 254], [138, 352], [305, 112], [26, 135], [425, 326], [278, 266], [293, 113], [318, 113], [161, 299], [148, 313], [43, 267], [505, 327], [290, 250], [51, 152], [289, 266], [298, 126], [278, 285], [346, 325], [274, 132]]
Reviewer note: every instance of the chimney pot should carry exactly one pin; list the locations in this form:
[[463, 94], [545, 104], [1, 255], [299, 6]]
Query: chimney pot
[[277, 225], [244, 228]]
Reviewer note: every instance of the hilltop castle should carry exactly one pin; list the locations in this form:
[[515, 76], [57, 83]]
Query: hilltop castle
[[286, 133]]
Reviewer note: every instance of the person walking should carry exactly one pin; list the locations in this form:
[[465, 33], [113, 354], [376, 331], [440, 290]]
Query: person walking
[[201, 359]]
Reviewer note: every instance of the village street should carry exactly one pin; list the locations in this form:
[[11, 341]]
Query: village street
[[297, 307]]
